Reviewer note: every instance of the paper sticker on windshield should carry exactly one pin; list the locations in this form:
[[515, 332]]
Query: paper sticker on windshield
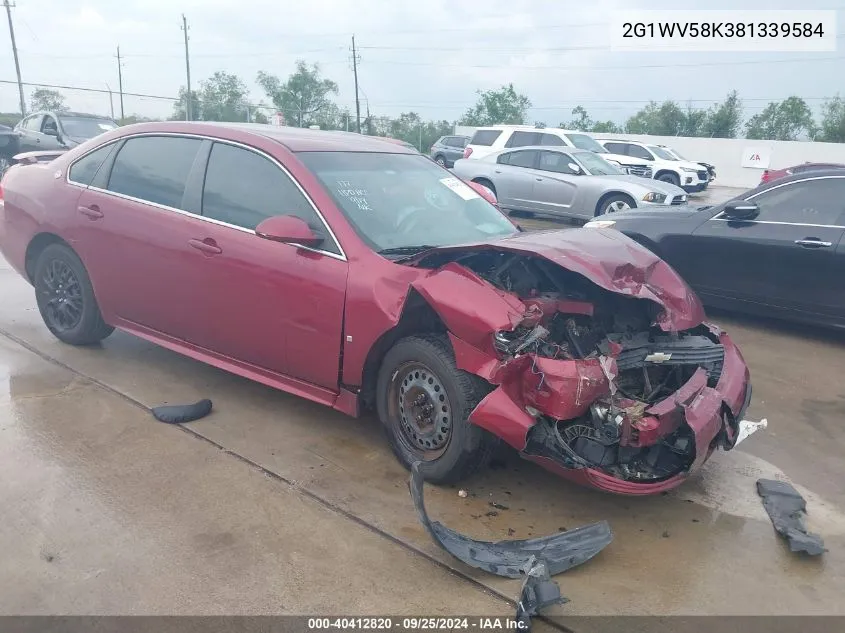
[[461, 188]]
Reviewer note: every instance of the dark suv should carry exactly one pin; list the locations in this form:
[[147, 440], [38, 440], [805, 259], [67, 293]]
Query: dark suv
[[48, 131], [448, 149]]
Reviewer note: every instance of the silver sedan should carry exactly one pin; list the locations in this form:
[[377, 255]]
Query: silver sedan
[[564, 182]]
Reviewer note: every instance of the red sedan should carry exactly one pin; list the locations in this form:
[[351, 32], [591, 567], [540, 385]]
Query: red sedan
[[776, 174], [361, 275]]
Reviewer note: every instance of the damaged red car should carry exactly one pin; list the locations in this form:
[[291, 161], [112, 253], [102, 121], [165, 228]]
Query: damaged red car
[[361, 275]]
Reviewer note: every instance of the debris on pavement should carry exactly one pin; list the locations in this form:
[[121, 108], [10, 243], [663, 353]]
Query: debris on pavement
[[747, 427], [788, 511], [560, 551], [538, 559], [462, 494], [179, 413], [538, 592], [498, 506]]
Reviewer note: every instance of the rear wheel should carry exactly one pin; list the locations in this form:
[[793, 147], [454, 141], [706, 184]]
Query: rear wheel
[[424, 402], [440, 160], [486, 183], [66, 299]]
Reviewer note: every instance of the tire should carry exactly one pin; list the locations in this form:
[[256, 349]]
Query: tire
[[440, 160], [66, 299], [614, 203], [671, 178], [486, 183], [419, 372]]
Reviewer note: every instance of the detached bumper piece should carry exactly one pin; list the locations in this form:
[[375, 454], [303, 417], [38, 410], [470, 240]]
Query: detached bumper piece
[[536, 559], [788, 512], [181, 413]]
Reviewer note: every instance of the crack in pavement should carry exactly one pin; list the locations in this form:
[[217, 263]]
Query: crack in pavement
[[288, 482]]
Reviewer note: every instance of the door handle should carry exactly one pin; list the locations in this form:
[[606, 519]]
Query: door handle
[[207, 246], [497, 171], [539, 179], [813, 242], [92, 212]]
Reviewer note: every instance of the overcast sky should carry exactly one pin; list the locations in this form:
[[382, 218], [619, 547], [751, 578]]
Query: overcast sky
[[428, 56]]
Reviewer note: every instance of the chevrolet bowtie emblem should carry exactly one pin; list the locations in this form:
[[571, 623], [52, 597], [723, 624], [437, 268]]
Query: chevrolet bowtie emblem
[[658, 357]]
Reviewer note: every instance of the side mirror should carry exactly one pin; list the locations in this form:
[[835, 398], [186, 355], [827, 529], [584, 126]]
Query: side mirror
[[288, 229], [741, 210], [576, 169]]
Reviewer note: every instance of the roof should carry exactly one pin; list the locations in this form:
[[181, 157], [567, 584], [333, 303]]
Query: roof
[[293, 138], [87, 115]]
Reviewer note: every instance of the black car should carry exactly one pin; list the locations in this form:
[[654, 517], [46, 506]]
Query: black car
[[49, 131], [777, 250], [8, 147]]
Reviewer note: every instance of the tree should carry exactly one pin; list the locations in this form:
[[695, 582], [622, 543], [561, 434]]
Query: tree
[[782, 121], [723, 120], [332, 117], [179, 108], [606, 127], [503, 106], [832, 128], [135, 118], [303, 96], [666, 119], [582, 121], [44, 99], [222, 98]]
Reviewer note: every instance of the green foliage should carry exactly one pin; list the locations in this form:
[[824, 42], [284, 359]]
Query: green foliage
[[45, 99], [180, 106], [832, 128], [302, 97], [9, 118], [786, 120], [722, 120], [135, 118], [223, 98], [582, 121], [498, 107]]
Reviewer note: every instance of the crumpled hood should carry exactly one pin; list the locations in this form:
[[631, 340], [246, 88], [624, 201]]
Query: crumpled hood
[[611, 261]]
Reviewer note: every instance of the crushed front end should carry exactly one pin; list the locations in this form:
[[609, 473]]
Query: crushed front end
[[609, 376]]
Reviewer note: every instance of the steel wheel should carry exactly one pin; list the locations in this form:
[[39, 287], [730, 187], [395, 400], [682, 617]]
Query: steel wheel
[[62, 295], [419, 402]]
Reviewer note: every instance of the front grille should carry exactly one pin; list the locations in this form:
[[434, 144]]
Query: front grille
[[637, 170], [703, 175]]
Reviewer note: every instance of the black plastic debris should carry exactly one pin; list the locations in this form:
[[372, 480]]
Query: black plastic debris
[[179, 413], [560, 551], [788, 512], [538, 592]]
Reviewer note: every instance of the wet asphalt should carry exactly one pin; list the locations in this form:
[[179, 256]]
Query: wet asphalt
[[273, 504]]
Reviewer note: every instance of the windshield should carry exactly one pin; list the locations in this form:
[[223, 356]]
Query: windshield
[[82, 127], [661, 153], [596, 165], [582, 141], [396, 201], [675, 153]]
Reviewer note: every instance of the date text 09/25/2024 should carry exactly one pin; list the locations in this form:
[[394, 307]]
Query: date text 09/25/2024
[[416, 623]]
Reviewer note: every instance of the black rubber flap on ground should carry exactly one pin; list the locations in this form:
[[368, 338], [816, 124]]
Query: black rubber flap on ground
[[788, 512], [511, 559], [179, 413]]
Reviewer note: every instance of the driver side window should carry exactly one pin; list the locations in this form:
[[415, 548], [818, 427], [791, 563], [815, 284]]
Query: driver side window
[[49, 124], [244, 188], [557, 162], [808, 202]]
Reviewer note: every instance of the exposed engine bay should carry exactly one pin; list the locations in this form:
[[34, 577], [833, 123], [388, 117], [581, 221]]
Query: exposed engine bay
[[632, 379]]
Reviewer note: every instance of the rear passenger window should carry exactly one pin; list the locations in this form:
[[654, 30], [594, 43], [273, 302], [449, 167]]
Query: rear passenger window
[[154, 168], [523, 159], [521, 139], [485, 137], [551, 139], [616, 148], [83, 171], [243, 188]]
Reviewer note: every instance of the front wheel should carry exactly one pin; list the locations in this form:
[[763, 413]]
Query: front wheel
[[671, 178], [66, 299], [424, 402], [614, 203]]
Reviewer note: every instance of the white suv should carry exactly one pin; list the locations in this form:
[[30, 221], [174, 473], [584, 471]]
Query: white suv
[[494, 138], [691, 177]]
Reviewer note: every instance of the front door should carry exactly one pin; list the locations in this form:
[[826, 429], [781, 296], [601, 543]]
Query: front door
[[555, 184], [784, 257]]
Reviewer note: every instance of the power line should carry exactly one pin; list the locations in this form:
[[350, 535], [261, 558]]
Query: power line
[[83, 89]]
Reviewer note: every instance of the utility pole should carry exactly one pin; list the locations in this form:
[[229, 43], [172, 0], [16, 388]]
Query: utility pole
[[15, 53], [357, 102], [188, 108], [120, 81], [111, 101]]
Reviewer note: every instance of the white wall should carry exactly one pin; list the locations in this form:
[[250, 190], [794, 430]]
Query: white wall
[[726, 154]]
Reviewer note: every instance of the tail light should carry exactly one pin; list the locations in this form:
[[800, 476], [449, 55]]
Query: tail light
[[467, 152], [765, 177]]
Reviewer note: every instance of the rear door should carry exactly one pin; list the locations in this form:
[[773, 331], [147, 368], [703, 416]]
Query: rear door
[[454, 148], [514, 182], [30, 133], [555, 183], [785, 257]]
